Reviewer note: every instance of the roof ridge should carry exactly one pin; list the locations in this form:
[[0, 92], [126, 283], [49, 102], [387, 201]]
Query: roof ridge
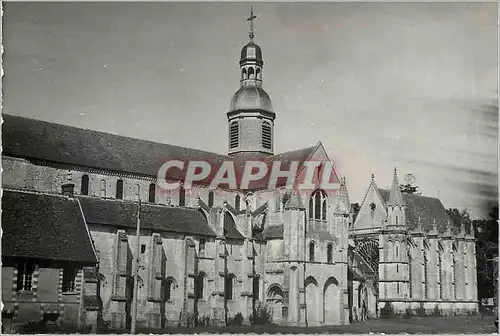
[[36, 192]]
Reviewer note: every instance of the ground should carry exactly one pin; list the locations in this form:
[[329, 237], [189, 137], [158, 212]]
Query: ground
[[413, 325]]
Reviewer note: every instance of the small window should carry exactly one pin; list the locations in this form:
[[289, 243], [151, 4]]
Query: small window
[[200, 286], [237, 203], [182, 196], [103, 188], [202, 247], [256, 287], [211, 199], [143, 248], [25, 272], [311, 252], [85, 185], [397, 268], [329, 253], [229, 287], [69, 277], [373, 206], [119, 189], [267, 136], [152, 193], [234, 136], [169, 289]]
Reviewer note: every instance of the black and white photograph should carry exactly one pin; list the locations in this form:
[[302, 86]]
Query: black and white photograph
[[236, 167]]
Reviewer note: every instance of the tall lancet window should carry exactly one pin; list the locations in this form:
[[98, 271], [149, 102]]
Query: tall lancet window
[[234, 135], [267, 135]]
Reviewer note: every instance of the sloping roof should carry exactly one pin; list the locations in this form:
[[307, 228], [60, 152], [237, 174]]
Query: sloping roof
[[426, 208], [46, 141], [273, 231], [36, 139], [230, 229], [44, 226], [122, 213]]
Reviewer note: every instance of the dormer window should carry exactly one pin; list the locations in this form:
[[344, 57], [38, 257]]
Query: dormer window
[[234, 135], [267, 136]]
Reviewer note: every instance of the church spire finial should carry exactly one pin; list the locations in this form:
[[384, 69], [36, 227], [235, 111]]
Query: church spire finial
[[251, 18]]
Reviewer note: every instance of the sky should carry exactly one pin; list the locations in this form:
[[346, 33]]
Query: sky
[[381, 85]]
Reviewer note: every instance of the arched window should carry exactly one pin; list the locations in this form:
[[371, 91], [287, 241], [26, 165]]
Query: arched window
[[211, 199], [169, 289], [103, 188], [318, 206], [200, 286], [85, 185], [201, 249], [426, 272], [244, 74], [152, 193], [229, 287], [397, 249], [440, 275], [237, 203], [267, 135], [182, 196], [234, 135], [258, 76], [119, 189], [329, 253], [311, 251], [251, 73]]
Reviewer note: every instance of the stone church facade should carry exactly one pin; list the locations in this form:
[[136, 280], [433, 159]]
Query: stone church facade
[[75, 197]]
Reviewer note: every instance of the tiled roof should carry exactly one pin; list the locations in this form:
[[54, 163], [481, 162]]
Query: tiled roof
[[46, 141], [122, 213], [426, 208], [44, 226]]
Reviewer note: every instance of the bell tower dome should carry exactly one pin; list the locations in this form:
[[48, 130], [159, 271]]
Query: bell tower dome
[[251, 115]]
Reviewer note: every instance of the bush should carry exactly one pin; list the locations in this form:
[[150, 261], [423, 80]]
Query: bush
[[237, 320], [436, 311], [421, 311], [203, 321], [387, 311], [262, 315], [408, 313], [33, 327]]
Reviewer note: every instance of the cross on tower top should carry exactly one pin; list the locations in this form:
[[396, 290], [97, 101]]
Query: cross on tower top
[[251, 18]]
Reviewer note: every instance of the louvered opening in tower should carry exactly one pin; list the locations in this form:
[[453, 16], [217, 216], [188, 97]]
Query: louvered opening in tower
[[233, 135], [267, 136]]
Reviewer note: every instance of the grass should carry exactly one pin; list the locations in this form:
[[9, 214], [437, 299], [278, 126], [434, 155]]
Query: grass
[[396, 325]]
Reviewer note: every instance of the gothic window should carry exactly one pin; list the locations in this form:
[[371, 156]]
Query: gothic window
[[85, 185], [25, 272], [318, 206], [237, 203], [182, 196], [200, 286], [119, 189], [409, 272], [234, 136], [152, 193], [69, 277], [211, 199], [440, 275], [311, 251], [329, 253], [201, 250], [267, 136], [229, 287]]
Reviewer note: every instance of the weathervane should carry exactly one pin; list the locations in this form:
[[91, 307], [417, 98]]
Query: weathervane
[[251, 18]]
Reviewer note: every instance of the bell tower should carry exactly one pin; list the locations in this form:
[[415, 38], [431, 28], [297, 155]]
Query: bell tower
[[251, 115]]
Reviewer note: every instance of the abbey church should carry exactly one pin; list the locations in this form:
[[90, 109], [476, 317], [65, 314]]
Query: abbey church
[[73, 199]]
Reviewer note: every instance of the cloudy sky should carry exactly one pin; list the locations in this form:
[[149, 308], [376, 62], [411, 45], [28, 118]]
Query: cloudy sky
[[411, 85]]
